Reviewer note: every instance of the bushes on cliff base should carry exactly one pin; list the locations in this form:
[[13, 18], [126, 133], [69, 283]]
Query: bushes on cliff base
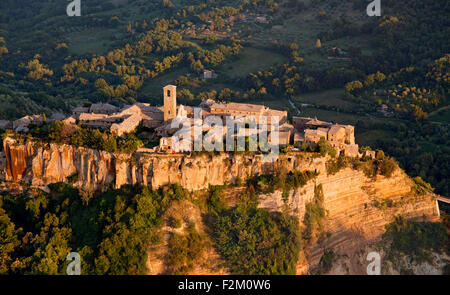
[[326, 261], [214, 202], [111, 231], [281, 181], [334, 166], [420, 186], [324, 148], [314, 214], [381, 165], [416, 238], [254, 241], [184, 251], [387, 167]]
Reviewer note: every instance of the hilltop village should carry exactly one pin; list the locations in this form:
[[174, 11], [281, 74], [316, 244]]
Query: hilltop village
[[121, 121]]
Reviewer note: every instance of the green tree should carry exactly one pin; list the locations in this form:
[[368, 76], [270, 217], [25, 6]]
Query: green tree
[[9, 241], [318, 44]]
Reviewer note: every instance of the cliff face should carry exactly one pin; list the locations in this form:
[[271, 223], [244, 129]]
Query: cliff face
[[358, 210], [42, 164], [358, 207], [353, 199], [2, 165]]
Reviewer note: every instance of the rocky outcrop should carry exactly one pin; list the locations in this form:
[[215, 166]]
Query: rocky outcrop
[[2, 165], [358, 208], [40, 164]]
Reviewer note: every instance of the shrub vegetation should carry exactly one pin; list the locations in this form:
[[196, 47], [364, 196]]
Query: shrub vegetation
[[256, 242], [111, 231]]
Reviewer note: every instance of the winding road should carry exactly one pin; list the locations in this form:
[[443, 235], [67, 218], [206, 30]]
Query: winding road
[[294, 106]]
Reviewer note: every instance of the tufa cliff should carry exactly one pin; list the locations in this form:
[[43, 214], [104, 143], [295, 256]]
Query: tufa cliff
[[358, 207], [40, 164]]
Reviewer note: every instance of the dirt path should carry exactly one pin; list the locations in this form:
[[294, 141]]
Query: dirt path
[[294, 106], [438, 110]]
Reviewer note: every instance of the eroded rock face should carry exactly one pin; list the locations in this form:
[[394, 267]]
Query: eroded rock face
[[358, 209], [2, 165], [42, 164], [18, 158]]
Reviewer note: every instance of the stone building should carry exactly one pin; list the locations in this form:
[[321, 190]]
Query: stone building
[[97, 108], [170, 102], [94, 120], [124, 121], [340, 137], [336, 133], [176, 119], [165, 144], [234, 110], [103, 108], [57, 117], [261, 20], [128, 125], [21, 125], [303, 123], [80, 110], [209, 74], [313, 136], [5, 124]]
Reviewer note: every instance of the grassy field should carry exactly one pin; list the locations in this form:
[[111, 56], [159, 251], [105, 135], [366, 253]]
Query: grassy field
[[96, 40], [155, 85], [279, 104], [250, 60], [325, 115], [332, 97], [369, 138], [303, 27], [442, 116]]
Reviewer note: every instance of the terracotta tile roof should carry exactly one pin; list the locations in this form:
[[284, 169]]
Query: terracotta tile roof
[[98, 107], [4, 124], [316, 122], [90, 116], [80, 110], [57, 117], [335, 129], [241, 107], [319, 132]]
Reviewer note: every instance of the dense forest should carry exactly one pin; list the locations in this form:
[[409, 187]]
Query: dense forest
[[111, 231], [114, 230]]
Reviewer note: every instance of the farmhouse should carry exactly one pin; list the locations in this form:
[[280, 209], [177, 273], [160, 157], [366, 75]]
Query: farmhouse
[[209, 74]]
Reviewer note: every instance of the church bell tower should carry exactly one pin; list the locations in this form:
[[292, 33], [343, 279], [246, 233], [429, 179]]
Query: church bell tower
[[170, 102]]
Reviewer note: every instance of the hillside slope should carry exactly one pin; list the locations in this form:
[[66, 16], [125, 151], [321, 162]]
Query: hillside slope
[[358, 207]]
